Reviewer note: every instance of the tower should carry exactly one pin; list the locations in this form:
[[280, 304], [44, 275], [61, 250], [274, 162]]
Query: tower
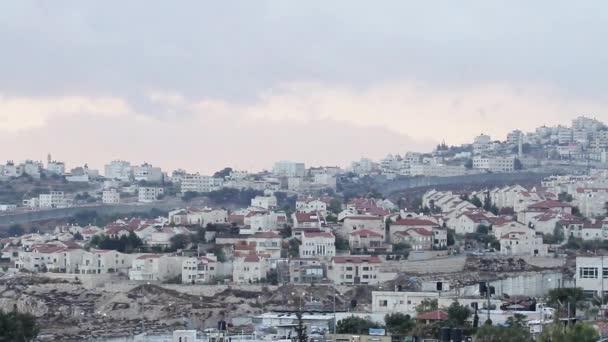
[[520, 149], [48, 159]]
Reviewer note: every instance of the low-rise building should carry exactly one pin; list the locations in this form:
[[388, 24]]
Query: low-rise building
[[200, 270], [155, 267], [317, 245], [306, 270], [367, 240], [110, 196], [354, 270], [249, 269], [149, 194]]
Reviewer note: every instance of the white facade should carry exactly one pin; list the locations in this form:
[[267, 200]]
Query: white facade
[[494, 164], [149, 194], [201, 270], [266, 202], [199, 183], [118, 169], [317, 245], [56, 168], [249, 269], [54, 199], [155, 267], [592, 275], [523, 242], [148, 173], [110, 196], [289, 169], [354, 269]]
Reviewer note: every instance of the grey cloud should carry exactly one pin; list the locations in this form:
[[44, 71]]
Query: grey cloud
[[233, 49]]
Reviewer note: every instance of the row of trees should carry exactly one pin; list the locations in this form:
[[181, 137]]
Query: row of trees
[[17, 327]]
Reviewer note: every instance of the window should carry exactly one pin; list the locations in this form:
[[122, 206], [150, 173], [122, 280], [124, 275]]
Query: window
[[383, 303], [588, 272]]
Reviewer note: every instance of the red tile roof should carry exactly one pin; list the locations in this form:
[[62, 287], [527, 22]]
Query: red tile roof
[[549, 204], [266, 235], [368, 218], [414, 222], [307, 217], [436, 315], [366, 233], [316, 234], [149, 256], [356, 259]]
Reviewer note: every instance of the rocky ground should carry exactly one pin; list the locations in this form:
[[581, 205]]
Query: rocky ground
[[66, 311]]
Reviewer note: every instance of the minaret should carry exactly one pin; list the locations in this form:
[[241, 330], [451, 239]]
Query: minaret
[[48, 159], [520, 149]]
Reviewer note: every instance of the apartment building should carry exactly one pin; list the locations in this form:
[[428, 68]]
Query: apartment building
[[200, 183], [110, 196], [118, 169], [149, 194], [155, 267], [354, 270], [200, 270]]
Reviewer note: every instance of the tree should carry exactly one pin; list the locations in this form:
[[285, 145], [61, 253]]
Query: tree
[[458, 314], [580, 332], [398, 323], [15, 230], [179, 241], [476, 201], [341, 244], [491, 333], [355, 325], [294, 248], [451, 237], [563, 296], [223, 173], [517, 165], [17, 327], [468, 164], [335, 206], [427, 305], [78, 236], [301, 329]]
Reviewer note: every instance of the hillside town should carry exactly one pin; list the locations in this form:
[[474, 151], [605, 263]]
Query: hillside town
[[138, 252]]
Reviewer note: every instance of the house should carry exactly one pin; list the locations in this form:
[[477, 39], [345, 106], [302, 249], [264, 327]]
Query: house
[[411, 223], [420, 239], [266, 202], [297, 232], [362, 222], [306, 270], [249, 269], [551, 205], [522, 242], [104, 261], [354, 270], [433, 316], [201, 217], [309, 205], [308, 219], [116, 231], [200, 270], [155, 267], [591, 201], [367, 240], [267, 243], [468, 222], [594, 229], [317, 245]]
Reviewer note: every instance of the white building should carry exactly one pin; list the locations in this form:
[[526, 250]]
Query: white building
[[199, 183], [55, 167], [110, 196], [494, 164], [317, 245], [118, 169], [266, 202], [201, 217], [54, 199], [148, 173], [155, 267], [592, 275], [354, 270], [522, 242], [289, 169], [249, 269], [149, 194], [201, 270]]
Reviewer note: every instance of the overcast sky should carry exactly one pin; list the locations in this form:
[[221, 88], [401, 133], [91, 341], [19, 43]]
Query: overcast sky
[[206, 84]]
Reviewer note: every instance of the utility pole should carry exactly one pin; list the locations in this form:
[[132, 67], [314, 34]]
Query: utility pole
[[488, 296]]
